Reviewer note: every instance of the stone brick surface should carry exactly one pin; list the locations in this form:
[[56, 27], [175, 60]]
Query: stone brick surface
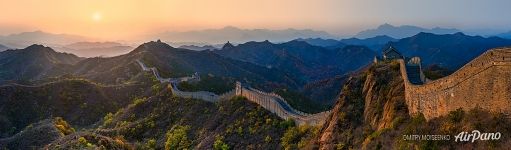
[[485, 82]]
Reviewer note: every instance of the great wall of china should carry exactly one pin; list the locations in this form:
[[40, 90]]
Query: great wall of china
[[270, 101], [485, 82]]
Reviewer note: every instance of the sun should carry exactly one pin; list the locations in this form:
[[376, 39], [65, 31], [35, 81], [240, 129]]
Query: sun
[[96, 16]]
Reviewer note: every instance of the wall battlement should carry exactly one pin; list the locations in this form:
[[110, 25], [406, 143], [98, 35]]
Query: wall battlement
[[485, 82]]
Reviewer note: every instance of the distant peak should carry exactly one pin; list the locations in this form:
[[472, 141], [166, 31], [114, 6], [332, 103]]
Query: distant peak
[[157, 43], [39, 48], [459, 33], [38, 31], [423, 34], [35, 46], [230, 28], [228, 45], [382, 36], [386, 25]]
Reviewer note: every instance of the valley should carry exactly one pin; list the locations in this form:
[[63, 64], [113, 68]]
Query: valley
[[255, 95], [255, 75]]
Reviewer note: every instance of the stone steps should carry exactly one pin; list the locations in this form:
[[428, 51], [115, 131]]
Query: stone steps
[[414, 74]]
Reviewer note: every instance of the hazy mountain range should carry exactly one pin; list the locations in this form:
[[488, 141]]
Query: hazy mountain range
[[25, 39], [237, 35], [95, 49], [374, 43], [401, 31], [3, 48], [198, 48], [506, 35]]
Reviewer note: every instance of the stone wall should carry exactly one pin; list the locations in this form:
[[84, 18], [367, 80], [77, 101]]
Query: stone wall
[[204, 95], [270, 101], [484, 82], [276, 104]]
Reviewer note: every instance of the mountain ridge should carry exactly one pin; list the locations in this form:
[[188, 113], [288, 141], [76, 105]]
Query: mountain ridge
[[448, 50], [33, 62], [238, 35], [402, 31]]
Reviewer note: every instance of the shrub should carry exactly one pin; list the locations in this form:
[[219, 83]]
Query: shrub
[[82, 140], [240, 130], [457, 115], [287, 123], [63, 126], [220, 144], [177, 138], [139, 101], [151, 144], [156, 88], [267, 139], [84, 143], [290, 138], [108, 119]]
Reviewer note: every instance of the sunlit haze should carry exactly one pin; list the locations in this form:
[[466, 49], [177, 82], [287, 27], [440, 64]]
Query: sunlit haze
[[125, 19]]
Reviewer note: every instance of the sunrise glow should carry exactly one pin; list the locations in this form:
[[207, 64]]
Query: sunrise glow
[[97, 16], [132, 18]]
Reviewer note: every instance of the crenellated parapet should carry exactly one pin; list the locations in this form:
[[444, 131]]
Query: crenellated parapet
[[485, 82], [276, 104]]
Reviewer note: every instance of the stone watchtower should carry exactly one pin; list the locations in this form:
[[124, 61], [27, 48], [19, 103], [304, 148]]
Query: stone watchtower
[[391, 53]]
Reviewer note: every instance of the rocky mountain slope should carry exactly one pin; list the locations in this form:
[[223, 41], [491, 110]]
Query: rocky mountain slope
[[38, 134], [371, 113], [164, 121]]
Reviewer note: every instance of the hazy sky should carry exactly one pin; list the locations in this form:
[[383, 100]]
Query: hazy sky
[[119, 19]]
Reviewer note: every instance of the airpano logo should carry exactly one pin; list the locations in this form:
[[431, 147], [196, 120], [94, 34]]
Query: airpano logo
[[476, 135]]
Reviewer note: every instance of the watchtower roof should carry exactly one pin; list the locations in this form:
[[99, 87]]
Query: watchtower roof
[[390, 49]]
